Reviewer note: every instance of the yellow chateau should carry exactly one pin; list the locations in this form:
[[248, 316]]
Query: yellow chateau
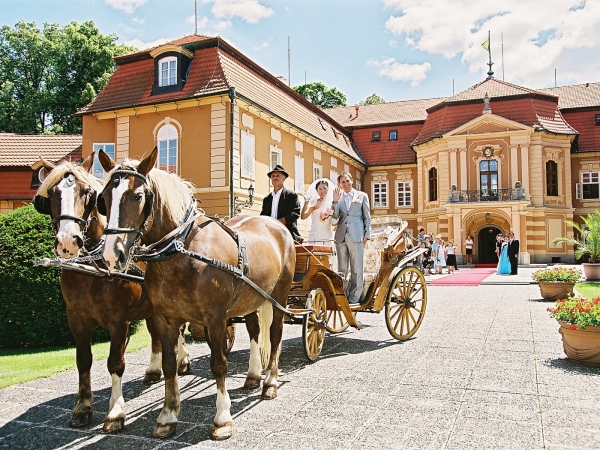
[[493, 158]]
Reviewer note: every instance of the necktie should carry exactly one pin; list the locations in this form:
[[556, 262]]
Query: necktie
[[347, 197]]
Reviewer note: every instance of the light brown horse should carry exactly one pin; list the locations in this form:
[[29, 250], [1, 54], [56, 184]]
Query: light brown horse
[[68, 196], [147, 204]]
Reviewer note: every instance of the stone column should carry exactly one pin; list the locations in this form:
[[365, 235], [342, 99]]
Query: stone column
[[463, 169], [525, 170], [453, 167], [514, 166]]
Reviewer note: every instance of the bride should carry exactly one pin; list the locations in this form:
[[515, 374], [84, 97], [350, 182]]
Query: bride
[[317, 206]]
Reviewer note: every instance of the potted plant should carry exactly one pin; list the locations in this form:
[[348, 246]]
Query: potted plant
[[579, 320], [556, 282], [588, 244]]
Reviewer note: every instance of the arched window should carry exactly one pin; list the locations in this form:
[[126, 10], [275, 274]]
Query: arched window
[[167, 71], [551, 178], [167, 148], [433, 188]]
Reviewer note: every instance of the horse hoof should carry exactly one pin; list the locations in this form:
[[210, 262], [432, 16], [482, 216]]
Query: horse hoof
[[80, 419], [221, 433], [152, 377], [252, 383], [184, 369], [269, 392], [164, 430], [114, 426]]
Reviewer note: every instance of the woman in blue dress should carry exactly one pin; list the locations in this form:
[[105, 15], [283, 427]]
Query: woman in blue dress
[[504, 262]]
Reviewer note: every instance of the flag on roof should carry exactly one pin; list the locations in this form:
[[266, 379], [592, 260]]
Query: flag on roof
[[486, 44]]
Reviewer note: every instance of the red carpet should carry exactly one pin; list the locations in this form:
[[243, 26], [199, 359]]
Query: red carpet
[[466, 277]]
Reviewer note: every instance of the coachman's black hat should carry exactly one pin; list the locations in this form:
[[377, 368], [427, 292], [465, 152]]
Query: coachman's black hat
[[278, 168]]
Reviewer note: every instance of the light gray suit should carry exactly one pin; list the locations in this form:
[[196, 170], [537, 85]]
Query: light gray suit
[[354, 224]]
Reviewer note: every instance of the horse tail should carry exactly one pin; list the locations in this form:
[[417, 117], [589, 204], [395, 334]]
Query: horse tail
[[265, 319]]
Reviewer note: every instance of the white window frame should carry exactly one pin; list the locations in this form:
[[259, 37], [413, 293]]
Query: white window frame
[[380, 194], [168, 129], [333, 176], [97, 169], [299, 173], [171, 78], [274, 157], [594, 178], [247, 152], [317, 171], [406, 192]]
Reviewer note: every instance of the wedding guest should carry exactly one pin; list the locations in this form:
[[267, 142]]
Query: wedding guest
[[469, 249], [451, 256], [504, 261]]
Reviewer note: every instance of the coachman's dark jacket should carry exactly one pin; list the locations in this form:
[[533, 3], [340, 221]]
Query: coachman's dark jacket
[[288, 208]]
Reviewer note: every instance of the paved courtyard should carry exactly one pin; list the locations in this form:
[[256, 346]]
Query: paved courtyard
[[485, 370]]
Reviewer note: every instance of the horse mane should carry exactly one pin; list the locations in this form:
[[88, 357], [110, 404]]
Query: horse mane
[[170, 190], [59, 172]]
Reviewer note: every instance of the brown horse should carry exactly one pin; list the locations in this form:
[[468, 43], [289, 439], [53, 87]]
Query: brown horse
[[148, 204], [68, 196]]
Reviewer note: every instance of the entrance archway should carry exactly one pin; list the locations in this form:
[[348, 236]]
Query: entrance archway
[[486, 248]]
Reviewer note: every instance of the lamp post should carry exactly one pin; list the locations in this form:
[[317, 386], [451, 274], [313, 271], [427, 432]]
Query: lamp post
[[238, 204]]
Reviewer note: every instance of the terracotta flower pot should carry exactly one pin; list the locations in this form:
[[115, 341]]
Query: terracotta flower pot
[[582, 346], [554, 290], [591, 271]]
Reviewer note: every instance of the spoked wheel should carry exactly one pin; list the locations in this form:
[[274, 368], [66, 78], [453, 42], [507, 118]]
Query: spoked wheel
[[406, 302], [336, 321], [229, 337], [313, 327]]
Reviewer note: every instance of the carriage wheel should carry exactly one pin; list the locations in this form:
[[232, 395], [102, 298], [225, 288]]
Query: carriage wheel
[[313, 327], [229, 337], [405, 304], [336, 321]]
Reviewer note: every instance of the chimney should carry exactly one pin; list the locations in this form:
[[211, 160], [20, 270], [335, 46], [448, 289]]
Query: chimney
[[356, 108]]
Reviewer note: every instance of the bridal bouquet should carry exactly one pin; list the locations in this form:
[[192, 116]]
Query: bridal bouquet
[[326, 214]]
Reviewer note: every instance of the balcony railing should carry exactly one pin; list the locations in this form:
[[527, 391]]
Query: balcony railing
[[486, 195]]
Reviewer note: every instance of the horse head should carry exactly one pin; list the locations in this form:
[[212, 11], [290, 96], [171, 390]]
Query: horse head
[[127, 201], [68, 196]]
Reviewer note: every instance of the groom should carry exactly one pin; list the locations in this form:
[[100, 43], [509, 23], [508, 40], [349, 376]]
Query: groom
[[513, 253], [351, 208]]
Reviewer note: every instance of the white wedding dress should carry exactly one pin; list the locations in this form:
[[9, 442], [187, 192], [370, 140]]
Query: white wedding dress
[[320, 232]]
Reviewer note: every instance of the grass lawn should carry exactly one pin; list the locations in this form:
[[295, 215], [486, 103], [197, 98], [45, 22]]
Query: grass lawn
[[19, 366], [588, 290]]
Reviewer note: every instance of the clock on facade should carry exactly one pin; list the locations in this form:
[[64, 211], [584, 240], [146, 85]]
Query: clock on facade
[[488, 152]]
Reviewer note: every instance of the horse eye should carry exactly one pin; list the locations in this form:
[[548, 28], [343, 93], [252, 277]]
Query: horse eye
[[138, 198]]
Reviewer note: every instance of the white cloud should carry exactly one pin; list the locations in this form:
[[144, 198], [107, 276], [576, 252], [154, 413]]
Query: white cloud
[[125, 5], [139, 20], [140, 45], [203, 22], [538, 35], [250, 11], [261, 46], [393, 43], [395, 71]]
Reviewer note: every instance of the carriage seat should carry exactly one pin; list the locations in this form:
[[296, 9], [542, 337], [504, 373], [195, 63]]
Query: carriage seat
[[314, 249]]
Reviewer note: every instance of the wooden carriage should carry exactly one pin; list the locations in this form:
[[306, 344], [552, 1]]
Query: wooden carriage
[[397, 286]]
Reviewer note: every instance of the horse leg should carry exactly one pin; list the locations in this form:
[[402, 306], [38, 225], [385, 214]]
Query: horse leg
[[154, 370], [115, 418], [254, 365], [166, 424], [222, 424], [269, 391], [184, 366], [83, 411]]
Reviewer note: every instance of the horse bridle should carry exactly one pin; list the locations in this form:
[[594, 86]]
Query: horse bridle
[[147, 206]]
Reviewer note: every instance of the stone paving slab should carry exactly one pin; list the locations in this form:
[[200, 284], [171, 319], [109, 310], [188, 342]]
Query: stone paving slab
[[485, 370]]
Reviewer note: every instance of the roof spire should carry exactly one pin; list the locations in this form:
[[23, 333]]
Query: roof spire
[[486, 104], [487, 46]]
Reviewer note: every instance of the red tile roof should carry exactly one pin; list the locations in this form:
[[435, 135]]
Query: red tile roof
[[23, 150], [387, 152], [589, 132], [15, 184], [585, 95], [525, 106], [216, 67], [383, 113]]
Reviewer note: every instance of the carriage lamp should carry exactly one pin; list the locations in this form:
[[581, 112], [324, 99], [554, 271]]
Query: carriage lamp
[[239, 204]]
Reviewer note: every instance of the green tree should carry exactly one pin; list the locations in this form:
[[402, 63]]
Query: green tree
[[319, 94], [47, 75], [373, 99]]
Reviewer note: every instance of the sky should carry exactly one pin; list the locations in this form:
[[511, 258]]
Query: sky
[[397, 49]]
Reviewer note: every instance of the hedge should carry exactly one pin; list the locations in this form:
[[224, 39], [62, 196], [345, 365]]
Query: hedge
[[32, 310]]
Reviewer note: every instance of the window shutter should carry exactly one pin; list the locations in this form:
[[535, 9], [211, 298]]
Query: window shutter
[[248, 141], [299, 173]]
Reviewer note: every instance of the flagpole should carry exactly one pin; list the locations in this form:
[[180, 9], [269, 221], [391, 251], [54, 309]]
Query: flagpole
[[490, 72]]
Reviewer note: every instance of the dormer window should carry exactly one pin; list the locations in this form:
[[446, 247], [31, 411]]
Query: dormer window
[[167, 71], [171, 64]]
